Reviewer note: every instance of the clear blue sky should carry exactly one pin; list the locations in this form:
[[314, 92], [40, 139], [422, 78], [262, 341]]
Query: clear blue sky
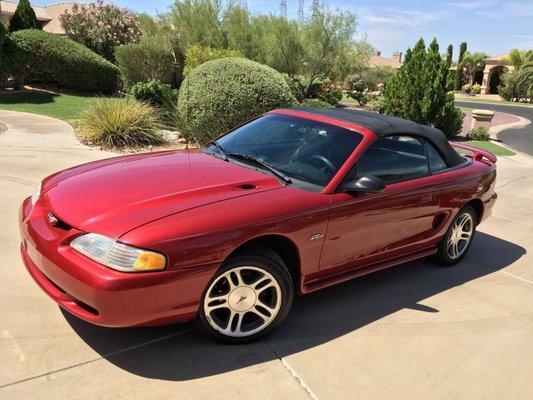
[[492, 26]]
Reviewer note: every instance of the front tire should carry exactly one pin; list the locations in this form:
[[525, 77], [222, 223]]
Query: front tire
[[458, 238], [247, 298]]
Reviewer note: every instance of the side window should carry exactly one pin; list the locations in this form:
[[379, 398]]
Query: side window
[[436, 162], [394, 158]]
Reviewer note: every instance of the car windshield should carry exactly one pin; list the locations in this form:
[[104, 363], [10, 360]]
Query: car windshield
[[294, 148]]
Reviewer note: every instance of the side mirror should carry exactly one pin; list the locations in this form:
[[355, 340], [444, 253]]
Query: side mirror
[[365, 183]]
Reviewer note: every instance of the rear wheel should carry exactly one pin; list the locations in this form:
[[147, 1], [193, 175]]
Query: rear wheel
[[248, 297], [455, 244]]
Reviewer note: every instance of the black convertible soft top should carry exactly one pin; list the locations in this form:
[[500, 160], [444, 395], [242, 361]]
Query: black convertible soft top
[[386, 125]]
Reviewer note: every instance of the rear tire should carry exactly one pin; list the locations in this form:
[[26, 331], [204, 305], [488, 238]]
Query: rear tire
[[458, 238], [249, 296]]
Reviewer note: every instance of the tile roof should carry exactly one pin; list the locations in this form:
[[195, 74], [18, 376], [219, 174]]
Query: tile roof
[[48, 15]]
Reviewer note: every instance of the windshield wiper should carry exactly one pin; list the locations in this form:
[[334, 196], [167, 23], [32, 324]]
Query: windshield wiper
[[220, 149], [258, 161]]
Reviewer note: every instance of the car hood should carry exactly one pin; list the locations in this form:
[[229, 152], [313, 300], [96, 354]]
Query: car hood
[[113, 196]]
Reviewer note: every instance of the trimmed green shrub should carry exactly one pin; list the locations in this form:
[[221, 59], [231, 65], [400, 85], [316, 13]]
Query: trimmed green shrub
[[61, 62], [479, 134], [221, 94], [315, 103], [197, 55], [120, 123], [23, 18], [466, 89], [13, 62], [147, 60], [476, 88], [158, 95], [330, 94]]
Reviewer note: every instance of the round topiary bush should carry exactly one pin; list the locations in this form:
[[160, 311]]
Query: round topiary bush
[[61, 62], [220, 94]]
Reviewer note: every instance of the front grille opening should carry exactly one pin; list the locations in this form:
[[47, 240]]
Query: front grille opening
[[86, 307]]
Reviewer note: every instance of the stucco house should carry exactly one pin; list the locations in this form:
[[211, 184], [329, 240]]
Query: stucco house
[[376, 60], [494, 67], [48, 16]]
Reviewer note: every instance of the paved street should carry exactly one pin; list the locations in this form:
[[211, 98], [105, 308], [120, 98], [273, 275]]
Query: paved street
[[416, 331], [518, 138]]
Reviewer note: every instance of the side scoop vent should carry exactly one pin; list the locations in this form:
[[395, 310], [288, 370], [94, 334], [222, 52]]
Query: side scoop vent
[[244, 186]]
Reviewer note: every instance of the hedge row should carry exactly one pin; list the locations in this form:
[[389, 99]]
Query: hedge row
[[59, 61]]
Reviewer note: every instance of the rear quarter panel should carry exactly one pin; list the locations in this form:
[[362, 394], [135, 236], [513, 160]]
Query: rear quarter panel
[[474, 181]]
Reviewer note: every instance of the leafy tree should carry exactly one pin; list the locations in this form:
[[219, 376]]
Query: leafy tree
[[458, 83], [327, 38], [418, 90], [101, 27], [197, 55], [361, 85], [23, 18], [200, 21], [473, 62], [518, 84], [517, 58]]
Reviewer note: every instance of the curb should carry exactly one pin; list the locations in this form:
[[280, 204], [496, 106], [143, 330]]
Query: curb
[[494, 130]]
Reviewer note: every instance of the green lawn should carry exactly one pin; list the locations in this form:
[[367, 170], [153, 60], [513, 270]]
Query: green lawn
[[473, 99], [67, 107], [492, 147]]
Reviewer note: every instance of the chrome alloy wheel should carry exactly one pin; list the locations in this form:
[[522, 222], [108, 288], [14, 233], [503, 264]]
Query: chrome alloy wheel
[[242, 301], [460, 236]]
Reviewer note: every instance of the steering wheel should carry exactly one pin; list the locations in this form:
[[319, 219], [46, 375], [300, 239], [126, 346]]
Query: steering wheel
[[324, 161]]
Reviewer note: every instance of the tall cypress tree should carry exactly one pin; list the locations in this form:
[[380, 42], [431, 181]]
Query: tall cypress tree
[[418, 91], [24, 17], [458, 84], [449, 55]]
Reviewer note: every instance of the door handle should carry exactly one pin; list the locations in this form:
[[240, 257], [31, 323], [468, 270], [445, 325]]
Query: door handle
[[427, 199]]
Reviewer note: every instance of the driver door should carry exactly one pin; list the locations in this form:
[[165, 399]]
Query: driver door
[[366, 228]]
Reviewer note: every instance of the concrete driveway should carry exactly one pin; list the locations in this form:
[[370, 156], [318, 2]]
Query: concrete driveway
[[414, 331]]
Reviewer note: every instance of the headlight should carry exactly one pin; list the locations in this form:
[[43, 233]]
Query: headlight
[[116, 255], [36, 194]]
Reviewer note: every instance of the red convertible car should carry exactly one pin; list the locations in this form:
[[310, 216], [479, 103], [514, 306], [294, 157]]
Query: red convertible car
[[226, 235]]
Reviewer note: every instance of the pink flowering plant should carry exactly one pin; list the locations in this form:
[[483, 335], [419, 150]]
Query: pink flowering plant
[[101, 27]]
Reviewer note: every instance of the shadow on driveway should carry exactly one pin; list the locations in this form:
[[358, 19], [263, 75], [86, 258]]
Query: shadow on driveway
[[314, 320]]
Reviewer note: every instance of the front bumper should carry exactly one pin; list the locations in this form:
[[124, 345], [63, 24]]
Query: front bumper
[[98, 294]]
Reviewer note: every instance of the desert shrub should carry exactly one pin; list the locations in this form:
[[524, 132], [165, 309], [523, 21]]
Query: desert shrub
[[476, 88], [61, 62], [218, 95], [101, 27], [467, 89], [154, 93], [197, 55], [311, 89], [363, 85], [315, 103], [480, 133], [120, 123], [145, 61], [331, 94], [296, 89], [158, 95]]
